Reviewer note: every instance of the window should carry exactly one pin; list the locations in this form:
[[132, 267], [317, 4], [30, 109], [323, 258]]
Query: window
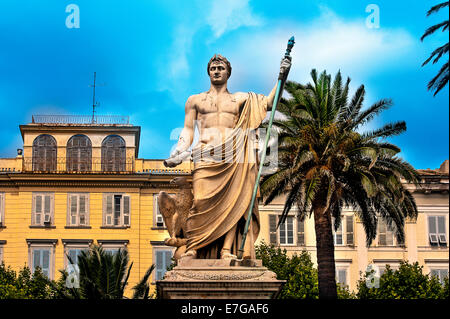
[[79, 154], [44, 153], [113, 154], [2, 209], [73, 249], [344, 234], [42, 257], [285, 233], [116, 208], [158, 218], [112, 246], [2, 242], [341, 276], [436, 230], [385, 234], [300, 232], [163, 259], [440, 273], [43, 208], [78, 209]]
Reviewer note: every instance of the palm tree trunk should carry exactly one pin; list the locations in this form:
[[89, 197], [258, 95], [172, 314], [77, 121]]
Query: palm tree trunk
[[325, 251]]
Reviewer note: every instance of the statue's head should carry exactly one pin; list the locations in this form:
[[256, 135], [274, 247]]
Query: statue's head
[[217, 66]]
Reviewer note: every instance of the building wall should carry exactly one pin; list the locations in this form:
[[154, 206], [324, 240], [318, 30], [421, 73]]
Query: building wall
[[357, 257]]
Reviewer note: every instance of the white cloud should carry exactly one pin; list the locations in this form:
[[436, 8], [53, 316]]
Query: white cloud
[[329, 43], [230, 15]]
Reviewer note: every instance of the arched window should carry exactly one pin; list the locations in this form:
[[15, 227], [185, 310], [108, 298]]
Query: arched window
[[113, 154], [44, 153], [79, 154]]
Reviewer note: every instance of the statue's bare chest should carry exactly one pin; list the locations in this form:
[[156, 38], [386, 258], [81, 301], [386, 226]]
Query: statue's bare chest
[[218, 104]]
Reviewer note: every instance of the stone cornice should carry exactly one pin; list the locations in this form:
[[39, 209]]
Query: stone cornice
[[88, 180]]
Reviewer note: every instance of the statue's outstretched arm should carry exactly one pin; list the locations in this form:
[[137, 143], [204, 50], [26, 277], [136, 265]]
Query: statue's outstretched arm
[[186, 136]]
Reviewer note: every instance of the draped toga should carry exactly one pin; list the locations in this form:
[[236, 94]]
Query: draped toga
[[223, 180]]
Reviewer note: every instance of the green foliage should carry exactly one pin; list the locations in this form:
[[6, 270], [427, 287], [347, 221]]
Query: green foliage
[[442, 77], [103, 275], [408, 282], [25, 285], [298, 271], [327, 163]]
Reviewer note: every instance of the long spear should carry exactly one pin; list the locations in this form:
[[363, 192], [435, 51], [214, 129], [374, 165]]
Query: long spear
[[281, 80]]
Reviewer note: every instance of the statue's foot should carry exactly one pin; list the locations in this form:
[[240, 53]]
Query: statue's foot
[[191, 254], [227, 255]]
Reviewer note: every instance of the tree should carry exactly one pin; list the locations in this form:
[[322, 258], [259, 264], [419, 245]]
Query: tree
[[297, 270], [441, 79], [25, 285], [408, 282], [326, 164], [104, 275]]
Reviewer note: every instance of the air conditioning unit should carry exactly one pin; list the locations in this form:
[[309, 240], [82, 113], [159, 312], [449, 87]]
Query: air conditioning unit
[[159, 221], [47, 219]]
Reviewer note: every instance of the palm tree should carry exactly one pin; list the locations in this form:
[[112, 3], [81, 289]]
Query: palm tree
[[325, 164], [441, 79], [104, 275]]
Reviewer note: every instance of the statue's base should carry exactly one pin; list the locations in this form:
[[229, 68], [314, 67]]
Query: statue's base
[[219, 279]]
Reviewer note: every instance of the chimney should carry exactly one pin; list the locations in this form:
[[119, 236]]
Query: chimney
[[444, 167]]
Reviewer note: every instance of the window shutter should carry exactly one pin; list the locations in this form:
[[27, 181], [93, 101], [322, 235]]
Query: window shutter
[[381, 233], [342, 276], [432, 229], [46, 262], [441, 229], [126, 210], [117, 209], [290, 230], [349, 226], [273, 229], [36, 259], [338, 235], [38, 209], [282, 233], [73, 209], [168, 257], [159, 264], [47, 206], [108, 210], [82, 209], [159, 220], [300, 232]]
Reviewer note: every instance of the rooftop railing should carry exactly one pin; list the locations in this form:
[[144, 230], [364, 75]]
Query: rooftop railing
[[81, 119], [91, 165]]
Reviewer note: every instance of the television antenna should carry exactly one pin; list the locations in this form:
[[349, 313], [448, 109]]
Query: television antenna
[[94, 102]]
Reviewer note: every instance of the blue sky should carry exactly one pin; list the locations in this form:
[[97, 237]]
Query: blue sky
[[151, 55]]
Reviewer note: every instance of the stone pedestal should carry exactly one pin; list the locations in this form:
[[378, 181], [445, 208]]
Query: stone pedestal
[[219, 279]]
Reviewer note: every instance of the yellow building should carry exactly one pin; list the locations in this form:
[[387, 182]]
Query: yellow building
[[426, 238], [76, 183]]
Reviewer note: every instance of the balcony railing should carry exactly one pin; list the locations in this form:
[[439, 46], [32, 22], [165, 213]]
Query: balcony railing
[[77, 166], [81, 119]]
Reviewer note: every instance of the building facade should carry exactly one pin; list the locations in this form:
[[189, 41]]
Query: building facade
[[79, 182], [76, 183], [426, 238]]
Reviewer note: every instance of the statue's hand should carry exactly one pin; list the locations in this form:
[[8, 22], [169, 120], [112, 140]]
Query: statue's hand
[[285, 66]]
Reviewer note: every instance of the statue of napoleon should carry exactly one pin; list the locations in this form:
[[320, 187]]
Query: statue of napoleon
[[225, 164]]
